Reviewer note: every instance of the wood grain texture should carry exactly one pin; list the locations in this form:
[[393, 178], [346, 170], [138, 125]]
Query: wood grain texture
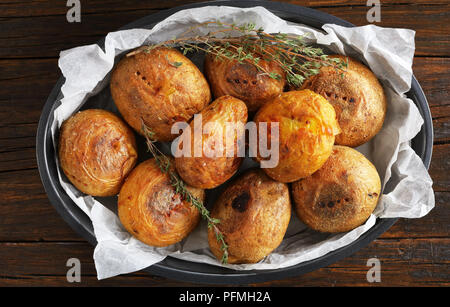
[[57, 34], [402, 263], [19, 8], [35, 242]]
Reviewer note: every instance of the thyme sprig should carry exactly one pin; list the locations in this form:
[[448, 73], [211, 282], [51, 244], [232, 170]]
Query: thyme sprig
[[246, 43], [179, 185]]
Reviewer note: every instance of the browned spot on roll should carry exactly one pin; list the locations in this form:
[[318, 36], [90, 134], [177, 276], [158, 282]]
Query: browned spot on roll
[[240, 202]]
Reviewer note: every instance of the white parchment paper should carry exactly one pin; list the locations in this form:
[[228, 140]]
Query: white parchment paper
[[388, 52]]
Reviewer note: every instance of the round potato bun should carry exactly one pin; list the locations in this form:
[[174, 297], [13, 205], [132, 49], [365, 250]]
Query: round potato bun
[[208, 171], [159, 87], [307, 129], [254, 213], [96, 151], [244, 80], [150, 209], [341, 195], [357, 97]]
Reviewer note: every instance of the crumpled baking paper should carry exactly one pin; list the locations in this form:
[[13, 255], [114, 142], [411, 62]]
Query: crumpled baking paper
[[388, 52]]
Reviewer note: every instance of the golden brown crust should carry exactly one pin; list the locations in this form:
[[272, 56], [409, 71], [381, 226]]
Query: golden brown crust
[[307, 129], [154, 86], [357, 97], [208, 172], [243, 80], [96, 151], [341, 195], [254, 213], [150, 209]]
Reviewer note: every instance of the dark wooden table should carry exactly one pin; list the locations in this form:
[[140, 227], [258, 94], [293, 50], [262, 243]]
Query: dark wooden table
[[35, 242]]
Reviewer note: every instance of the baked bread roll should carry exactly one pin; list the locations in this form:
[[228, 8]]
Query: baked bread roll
[[159, 87], [96, 151], [214, 164], [357, 97], [150, 209], [244, 80], [341, 195], [254, 213], [307, 129]]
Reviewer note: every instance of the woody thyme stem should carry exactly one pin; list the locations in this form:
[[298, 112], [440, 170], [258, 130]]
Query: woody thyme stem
[[179, 186]]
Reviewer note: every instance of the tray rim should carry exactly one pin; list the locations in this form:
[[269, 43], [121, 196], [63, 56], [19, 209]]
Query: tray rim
[[74, 215]]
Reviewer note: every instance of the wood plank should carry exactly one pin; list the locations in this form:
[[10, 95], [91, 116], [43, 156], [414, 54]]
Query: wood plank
[[27, 214], [92, 281], [24, 87], [35, 8], [431, 32], [34, 220], [58, 34], [17, 159], [403, 262], [423, 275], [20, 130], [16, 143], [441, 128], [319, 3], [440, 167], [433, 75]]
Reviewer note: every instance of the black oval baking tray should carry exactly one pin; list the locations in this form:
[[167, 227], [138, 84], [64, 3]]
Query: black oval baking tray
[[198, 272]]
